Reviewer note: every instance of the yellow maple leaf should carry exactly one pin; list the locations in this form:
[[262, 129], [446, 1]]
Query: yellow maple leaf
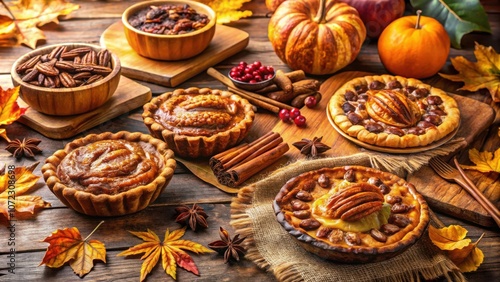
[[485, 73], [449, 238], [484, 161], [469, 258], [27, 16], [67, 245], [170, 251], [15, 182], [228, 10]]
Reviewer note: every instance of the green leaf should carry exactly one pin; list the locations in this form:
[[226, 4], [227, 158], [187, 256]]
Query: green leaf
[[458, 17]]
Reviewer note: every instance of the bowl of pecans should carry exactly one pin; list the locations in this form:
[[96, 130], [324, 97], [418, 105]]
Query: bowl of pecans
[[66, 79], [169, 30]]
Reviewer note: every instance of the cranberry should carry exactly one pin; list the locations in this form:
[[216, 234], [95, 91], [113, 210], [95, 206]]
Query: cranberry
[[310, 101], [284, 115], [300, 120], [251, 73], [294, 112]]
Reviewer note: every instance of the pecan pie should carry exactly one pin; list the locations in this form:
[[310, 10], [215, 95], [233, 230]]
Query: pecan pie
[[352, 214], [199, 122], [393, 111], [110, 174]]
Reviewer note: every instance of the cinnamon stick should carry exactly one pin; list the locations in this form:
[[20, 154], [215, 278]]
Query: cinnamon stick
[[283, 82], [216, 162], [237, 175], [260, 101], [294, 76]]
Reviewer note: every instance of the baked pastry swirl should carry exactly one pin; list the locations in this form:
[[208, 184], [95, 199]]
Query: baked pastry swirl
[[199, 122], [352, 214], [110, 174], [393, 111]]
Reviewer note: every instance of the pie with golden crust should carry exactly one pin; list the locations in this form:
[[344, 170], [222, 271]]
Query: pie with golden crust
[[199, 122], [393, 111], [110, 174], [352, 214]]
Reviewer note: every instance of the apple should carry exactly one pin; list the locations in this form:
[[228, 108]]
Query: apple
[[377, 14]]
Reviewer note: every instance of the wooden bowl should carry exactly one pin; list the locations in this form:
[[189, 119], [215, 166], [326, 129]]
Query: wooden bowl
[[67, 101], [169, 47]]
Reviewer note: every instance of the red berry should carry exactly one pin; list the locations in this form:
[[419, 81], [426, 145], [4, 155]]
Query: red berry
[[310, 101], [294, 112], [284, 115], [300, 120]]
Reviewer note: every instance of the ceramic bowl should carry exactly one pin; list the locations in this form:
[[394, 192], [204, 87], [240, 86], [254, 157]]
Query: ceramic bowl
[[65, 101], [252, 86], [169, 47]]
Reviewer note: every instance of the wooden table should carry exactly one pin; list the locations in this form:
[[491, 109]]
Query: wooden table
[[86, 25]]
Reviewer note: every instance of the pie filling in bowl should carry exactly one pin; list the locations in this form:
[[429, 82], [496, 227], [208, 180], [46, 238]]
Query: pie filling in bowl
[[352, 214], [110, 174]]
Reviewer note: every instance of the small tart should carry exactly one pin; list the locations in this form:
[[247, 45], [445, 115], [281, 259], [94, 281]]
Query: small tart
[[393, 111], [352, 214], [110, 174], [199, 122]]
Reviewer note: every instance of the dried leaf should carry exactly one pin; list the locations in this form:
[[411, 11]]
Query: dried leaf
[[449, 238], [469, 258], [67, 245], [28, 15], [485, 73], [170, 251], [15, 182], [9, 109], [228, 10], [485, 161]]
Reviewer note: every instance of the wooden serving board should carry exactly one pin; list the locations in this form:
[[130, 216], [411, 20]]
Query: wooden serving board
[[128, 96], [227, 41]]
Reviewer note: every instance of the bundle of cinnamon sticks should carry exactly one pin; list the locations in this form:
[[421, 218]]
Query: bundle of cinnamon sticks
[[232, 167]]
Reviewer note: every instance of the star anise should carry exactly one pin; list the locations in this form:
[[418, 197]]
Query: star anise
[[231, 248], [194, 216], [26, 147], [312, 147]]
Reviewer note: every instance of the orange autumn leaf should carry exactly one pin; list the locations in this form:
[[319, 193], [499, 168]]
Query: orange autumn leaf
[[9, 109], [485, 73], [469, 258], [28, 16], [484, 161], [67, 245], [170, 251], [15, 183]]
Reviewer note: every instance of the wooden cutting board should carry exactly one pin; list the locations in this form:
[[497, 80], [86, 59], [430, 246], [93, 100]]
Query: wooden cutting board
[[128, 96], [227, 41]]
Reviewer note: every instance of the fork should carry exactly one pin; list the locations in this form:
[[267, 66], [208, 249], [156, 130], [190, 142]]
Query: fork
[[450, 173]]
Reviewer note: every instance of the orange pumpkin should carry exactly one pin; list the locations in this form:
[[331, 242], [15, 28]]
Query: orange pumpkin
[[316, 36], [414, 46]]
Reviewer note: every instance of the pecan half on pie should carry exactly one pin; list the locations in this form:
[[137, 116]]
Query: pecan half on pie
[[393, 111], [199, 122], [110, 174], [352, 214]]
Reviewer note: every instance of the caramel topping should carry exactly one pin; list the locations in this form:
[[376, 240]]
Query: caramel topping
[[196, 115], [392, 107], [109, 166]]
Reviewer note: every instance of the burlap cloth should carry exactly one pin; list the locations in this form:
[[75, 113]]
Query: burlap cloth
[[273, 249]]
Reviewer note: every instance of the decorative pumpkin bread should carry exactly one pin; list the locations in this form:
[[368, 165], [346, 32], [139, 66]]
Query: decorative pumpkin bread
[[110, 174], [393, 111], [199, 122], [352, 214]]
